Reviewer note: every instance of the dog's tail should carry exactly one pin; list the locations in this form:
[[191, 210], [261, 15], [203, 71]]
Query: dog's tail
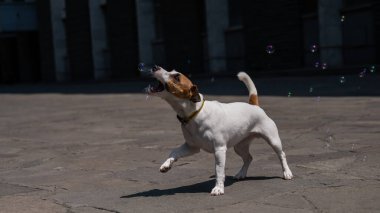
[[253, 98]]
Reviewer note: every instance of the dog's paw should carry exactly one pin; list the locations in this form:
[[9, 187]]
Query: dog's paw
[[288, 175], [217, 190], [165, 168], [240, 175], [167, 165]]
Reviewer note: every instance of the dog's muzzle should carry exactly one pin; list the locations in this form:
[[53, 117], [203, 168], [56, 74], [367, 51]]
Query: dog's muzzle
[[155, 68]]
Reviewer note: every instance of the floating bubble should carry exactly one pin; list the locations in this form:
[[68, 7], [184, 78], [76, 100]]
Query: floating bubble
[[141, 67], [270, 49], [59, 168], [311, 89], [372, 69], [353, 147], [314, 48], [363, 73], [327, 145], [317, 64], [364, 158], [342, 18], [329, 139], [212, 79], [342, 79], [324, 66], [290, 94], [188, 61]]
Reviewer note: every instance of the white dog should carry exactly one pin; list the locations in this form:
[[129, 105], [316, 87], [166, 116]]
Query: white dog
[[214, 126]]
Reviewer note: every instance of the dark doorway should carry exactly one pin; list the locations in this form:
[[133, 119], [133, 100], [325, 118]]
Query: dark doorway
[[19, 58]]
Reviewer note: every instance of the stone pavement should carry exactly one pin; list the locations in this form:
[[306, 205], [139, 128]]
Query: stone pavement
[[92, 152]]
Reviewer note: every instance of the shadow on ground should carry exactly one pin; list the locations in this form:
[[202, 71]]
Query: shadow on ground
[[203, 187]]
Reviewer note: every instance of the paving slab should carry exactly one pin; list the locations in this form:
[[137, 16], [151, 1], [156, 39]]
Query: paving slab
[[101, 152]]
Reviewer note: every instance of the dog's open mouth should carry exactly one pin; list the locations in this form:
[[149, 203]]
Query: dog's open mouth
[[158, 87]]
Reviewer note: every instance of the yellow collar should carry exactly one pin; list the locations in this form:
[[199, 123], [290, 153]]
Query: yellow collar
[[186, 120]]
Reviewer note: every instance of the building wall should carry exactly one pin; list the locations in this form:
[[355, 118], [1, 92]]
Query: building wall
[[184, 37], [182, 27], [376, 12], [58, 15], [78, 35], [276, 23], [359, 32], [122, 38], [45, 40]]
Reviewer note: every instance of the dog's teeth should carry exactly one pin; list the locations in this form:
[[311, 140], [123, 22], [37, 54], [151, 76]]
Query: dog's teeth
[[148, 88]]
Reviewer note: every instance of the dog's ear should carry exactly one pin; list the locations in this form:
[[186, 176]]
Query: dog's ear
[[195, 97]]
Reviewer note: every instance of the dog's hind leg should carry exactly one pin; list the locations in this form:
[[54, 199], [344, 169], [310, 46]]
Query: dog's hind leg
[[183, 151], [270, 134], [242, 149]]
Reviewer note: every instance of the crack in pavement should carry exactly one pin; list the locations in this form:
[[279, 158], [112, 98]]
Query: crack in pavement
[[69, 209], [30, 188], [66, 206], [104, 209], [315, 208]]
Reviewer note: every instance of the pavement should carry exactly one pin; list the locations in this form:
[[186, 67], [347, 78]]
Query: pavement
[[98, 148]]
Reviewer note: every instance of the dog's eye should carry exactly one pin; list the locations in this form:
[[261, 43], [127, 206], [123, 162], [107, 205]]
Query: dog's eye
[[177, 77]]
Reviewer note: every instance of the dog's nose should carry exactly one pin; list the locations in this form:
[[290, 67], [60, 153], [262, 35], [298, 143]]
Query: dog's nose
[[155, 68]]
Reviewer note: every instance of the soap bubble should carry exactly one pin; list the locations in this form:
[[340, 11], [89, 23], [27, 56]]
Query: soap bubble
[[324, 66], [290, 94], [270, 49], [372, 69], [363, 73], [314, 48], [317, 64], [141, 67], [353, 148], [311, 89], [329, 139], [342, 18], [145, 70], [342, 79], [212, 79]]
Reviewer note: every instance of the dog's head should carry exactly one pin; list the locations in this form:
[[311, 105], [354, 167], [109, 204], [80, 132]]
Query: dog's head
[[173, 84]]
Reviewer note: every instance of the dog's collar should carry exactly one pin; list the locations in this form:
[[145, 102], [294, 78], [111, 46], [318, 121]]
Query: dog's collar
[[186, 120]]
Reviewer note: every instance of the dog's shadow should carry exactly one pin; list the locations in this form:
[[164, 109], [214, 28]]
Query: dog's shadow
[[203, 187]]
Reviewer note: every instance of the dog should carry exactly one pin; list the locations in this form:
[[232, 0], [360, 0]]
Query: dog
[[213, 126]]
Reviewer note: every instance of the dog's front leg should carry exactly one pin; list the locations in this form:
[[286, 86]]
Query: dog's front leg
[[183, 151], [220, 161]]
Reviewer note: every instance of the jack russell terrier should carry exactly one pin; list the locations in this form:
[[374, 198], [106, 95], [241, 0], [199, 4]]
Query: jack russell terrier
[[214, 126]]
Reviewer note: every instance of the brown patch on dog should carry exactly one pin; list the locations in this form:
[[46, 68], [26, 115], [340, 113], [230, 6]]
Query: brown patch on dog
[[253, 99], [180, 86]]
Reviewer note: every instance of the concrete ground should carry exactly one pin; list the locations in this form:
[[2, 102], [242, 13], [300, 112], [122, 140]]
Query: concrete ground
[[88, 152]]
